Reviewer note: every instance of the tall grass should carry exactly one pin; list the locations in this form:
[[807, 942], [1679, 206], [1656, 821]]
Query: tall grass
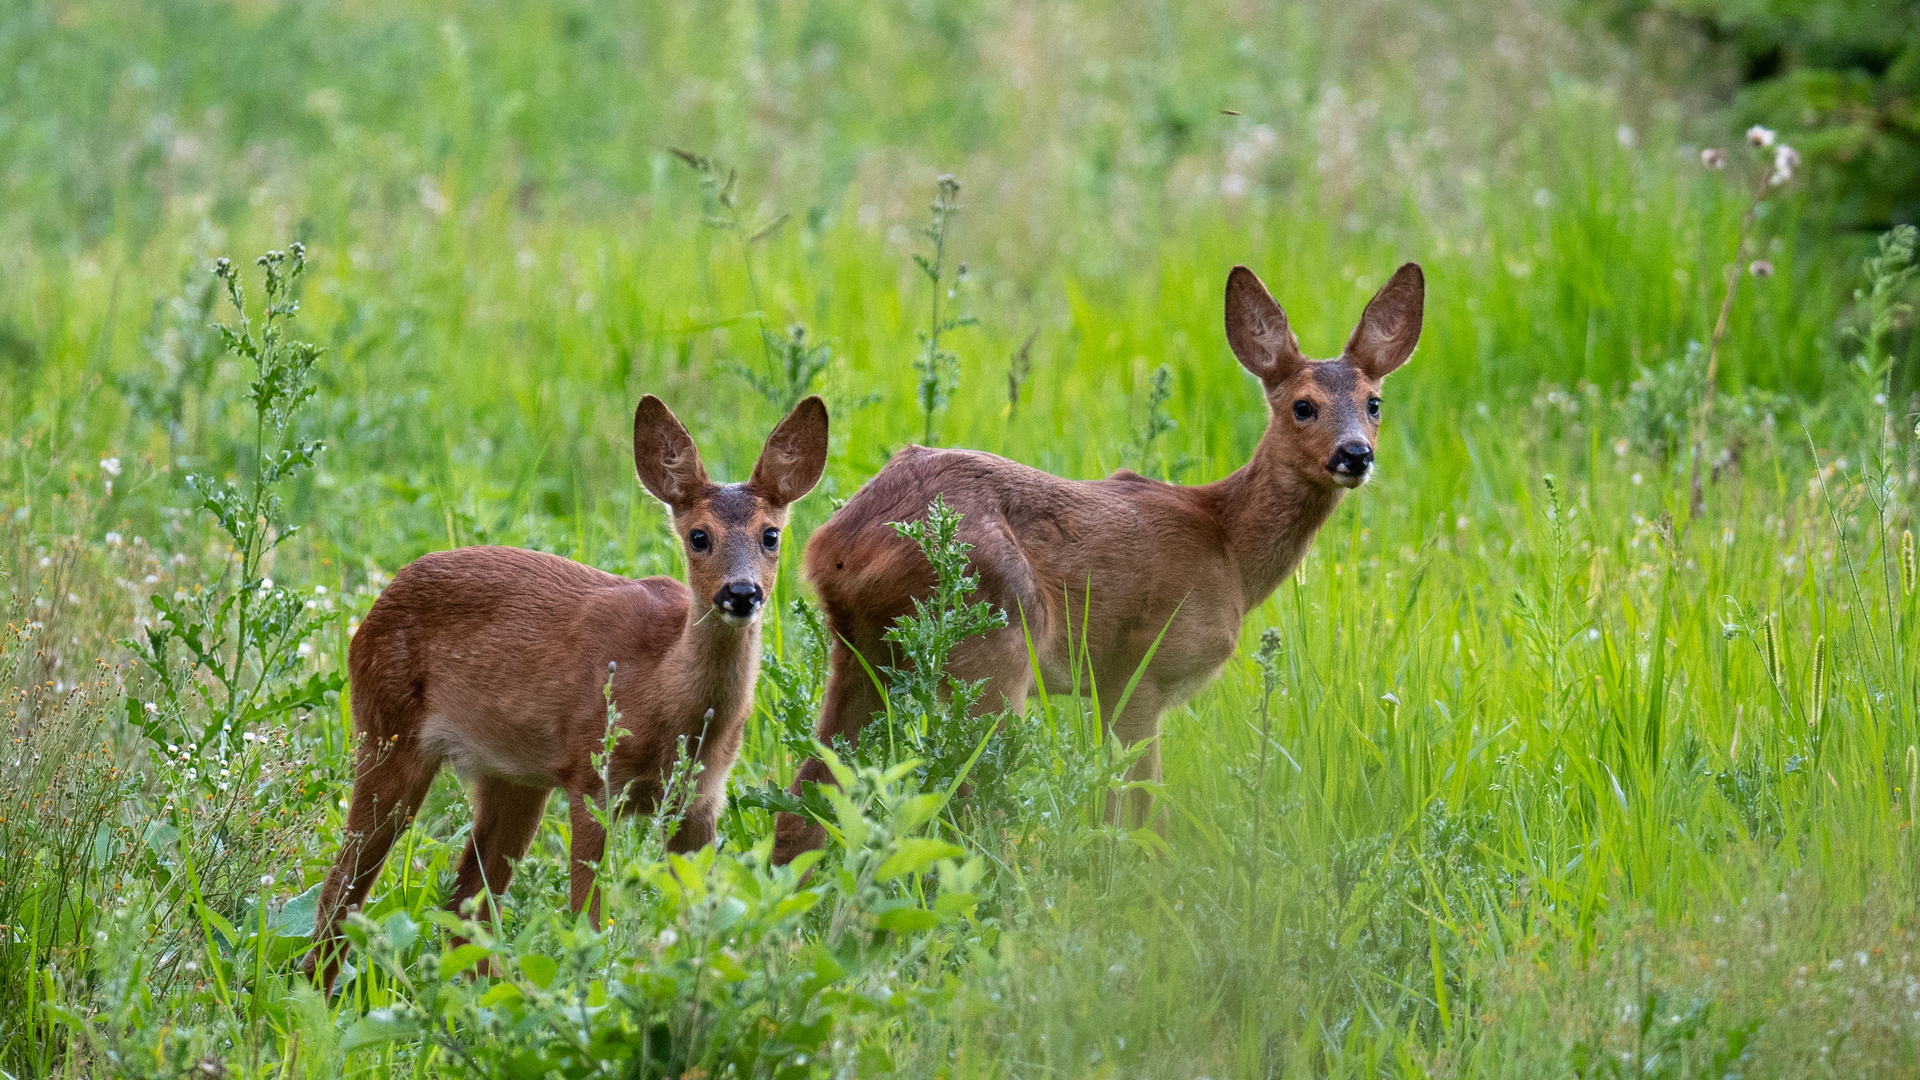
[[1527, 771]]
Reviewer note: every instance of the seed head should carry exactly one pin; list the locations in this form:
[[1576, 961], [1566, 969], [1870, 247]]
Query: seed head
[[1760, 268], [1817, 708], [1759, 136], [1713, 158], [1785, 160]]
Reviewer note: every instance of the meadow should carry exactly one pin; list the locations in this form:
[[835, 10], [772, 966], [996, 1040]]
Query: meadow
[[1530, 770]]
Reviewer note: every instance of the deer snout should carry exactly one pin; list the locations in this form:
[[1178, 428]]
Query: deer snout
[[1350, 464], [740, 600]]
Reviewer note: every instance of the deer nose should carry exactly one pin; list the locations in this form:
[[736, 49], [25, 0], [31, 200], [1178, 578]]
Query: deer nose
[[1351, 459], [739, 599]]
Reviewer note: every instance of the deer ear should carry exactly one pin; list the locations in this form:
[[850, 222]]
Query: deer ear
[[665, 457], [1257, 329], [795, 454], [1390, 327]]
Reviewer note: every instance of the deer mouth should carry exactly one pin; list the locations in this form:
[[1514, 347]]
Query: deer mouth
[[1348, 478], [738, 619]]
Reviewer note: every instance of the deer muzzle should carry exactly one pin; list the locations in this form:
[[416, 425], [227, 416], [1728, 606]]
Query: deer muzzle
[[1351, 464], [739, 602]]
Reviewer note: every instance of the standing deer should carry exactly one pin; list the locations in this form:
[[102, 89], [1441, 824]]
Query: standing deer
[[495, 660], [1112, 562]]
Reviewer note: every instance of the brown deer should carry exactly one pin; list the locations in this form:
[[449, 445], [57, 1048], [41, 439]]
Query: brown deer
[[495, 660], [1104, 565]]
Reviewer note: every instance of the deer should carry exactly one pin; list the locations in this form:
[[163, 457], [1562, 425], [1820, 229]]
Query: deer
[[498, 661], [1094, 571]]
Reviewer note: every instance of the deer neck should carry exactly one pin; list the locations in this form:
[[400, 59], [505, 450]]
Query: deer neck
[[717, 664], [1270, 514]]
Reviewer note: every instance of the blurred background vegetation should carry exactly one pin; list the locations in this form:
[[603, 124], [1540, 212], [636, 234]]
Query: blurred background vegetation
[[1840, 79]]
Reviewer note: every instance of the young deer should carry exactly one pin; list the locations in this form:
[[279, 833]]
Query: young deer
[[1104, 565], [495, 660]]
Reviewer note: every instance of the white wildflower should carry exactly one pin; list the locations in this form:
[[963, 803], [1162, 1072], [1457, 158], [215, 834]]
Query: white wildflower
[[1785, 160]]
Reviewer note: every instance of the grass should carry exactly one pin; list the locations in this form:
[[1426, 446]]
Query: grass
[[1542, 775]]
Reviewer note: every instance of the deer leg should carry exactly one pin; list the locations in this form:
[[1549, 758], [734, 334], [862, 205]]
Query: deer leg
[[506, 816], [1139, 721], [388, 787], [851, 700], [588, 848]]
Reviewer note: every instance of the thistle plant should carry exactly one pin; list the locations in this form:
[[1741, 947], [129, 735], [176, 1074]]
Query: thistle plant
[[1884, 304], [1143, 451], [1019, 367], [797, 362], [1773, 166], [930, 712], [720, 191], [938, 368], [236, 644]]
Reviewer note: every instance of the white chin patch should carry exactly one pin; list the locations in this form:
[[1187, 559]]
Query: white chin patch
[[1349, 480], [739, 620]]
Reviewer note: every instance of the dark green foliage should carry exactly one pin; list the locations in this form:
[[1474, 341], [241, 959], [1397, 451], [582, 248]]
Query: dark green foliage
[[1840, 79]]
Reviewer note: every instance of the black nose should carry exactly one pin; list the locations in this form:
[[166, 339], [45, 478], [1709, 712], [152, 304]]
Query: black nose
[[739, 598], [1352, 459]]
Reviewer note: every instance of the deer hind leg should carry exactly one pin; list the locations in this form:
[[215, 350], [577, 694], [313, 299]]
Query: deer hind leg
[[852, 698], [506, 816], [850, 701], [391, 781], [1139, 721]]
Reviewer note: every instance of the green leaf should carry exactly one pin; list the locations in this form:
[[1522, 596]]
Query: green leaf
[[500, 992], [916, 812], [950, 904], [401, 931], [374, 1029], [914, 855], [907, 920], [539, 969], [462, 958], [229, 937], [796, 904], [296, 917], [1152, 841]]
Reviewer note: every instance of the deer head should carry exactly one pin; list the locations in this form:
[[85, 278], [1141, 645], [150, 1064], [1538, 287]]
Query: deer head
[[730, 533], [1327, 412]]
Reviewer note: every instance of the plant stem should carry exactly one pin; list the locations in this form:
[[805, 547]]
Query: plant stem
[[1697, 495]]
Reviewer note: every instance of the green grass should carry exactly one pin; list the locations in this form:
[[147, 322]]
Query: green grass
[[1533, 794]]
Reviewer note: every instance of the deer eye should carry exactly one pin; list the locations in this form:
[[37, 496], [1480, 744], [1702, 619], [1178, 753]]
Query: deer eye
[[697, 540], [1373, 407], [770, 539], [1303, 410]]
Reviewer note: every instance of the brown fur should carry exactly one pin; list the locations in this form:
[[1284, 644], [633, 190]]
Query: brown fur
[[493, 660], [1194, 560]]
